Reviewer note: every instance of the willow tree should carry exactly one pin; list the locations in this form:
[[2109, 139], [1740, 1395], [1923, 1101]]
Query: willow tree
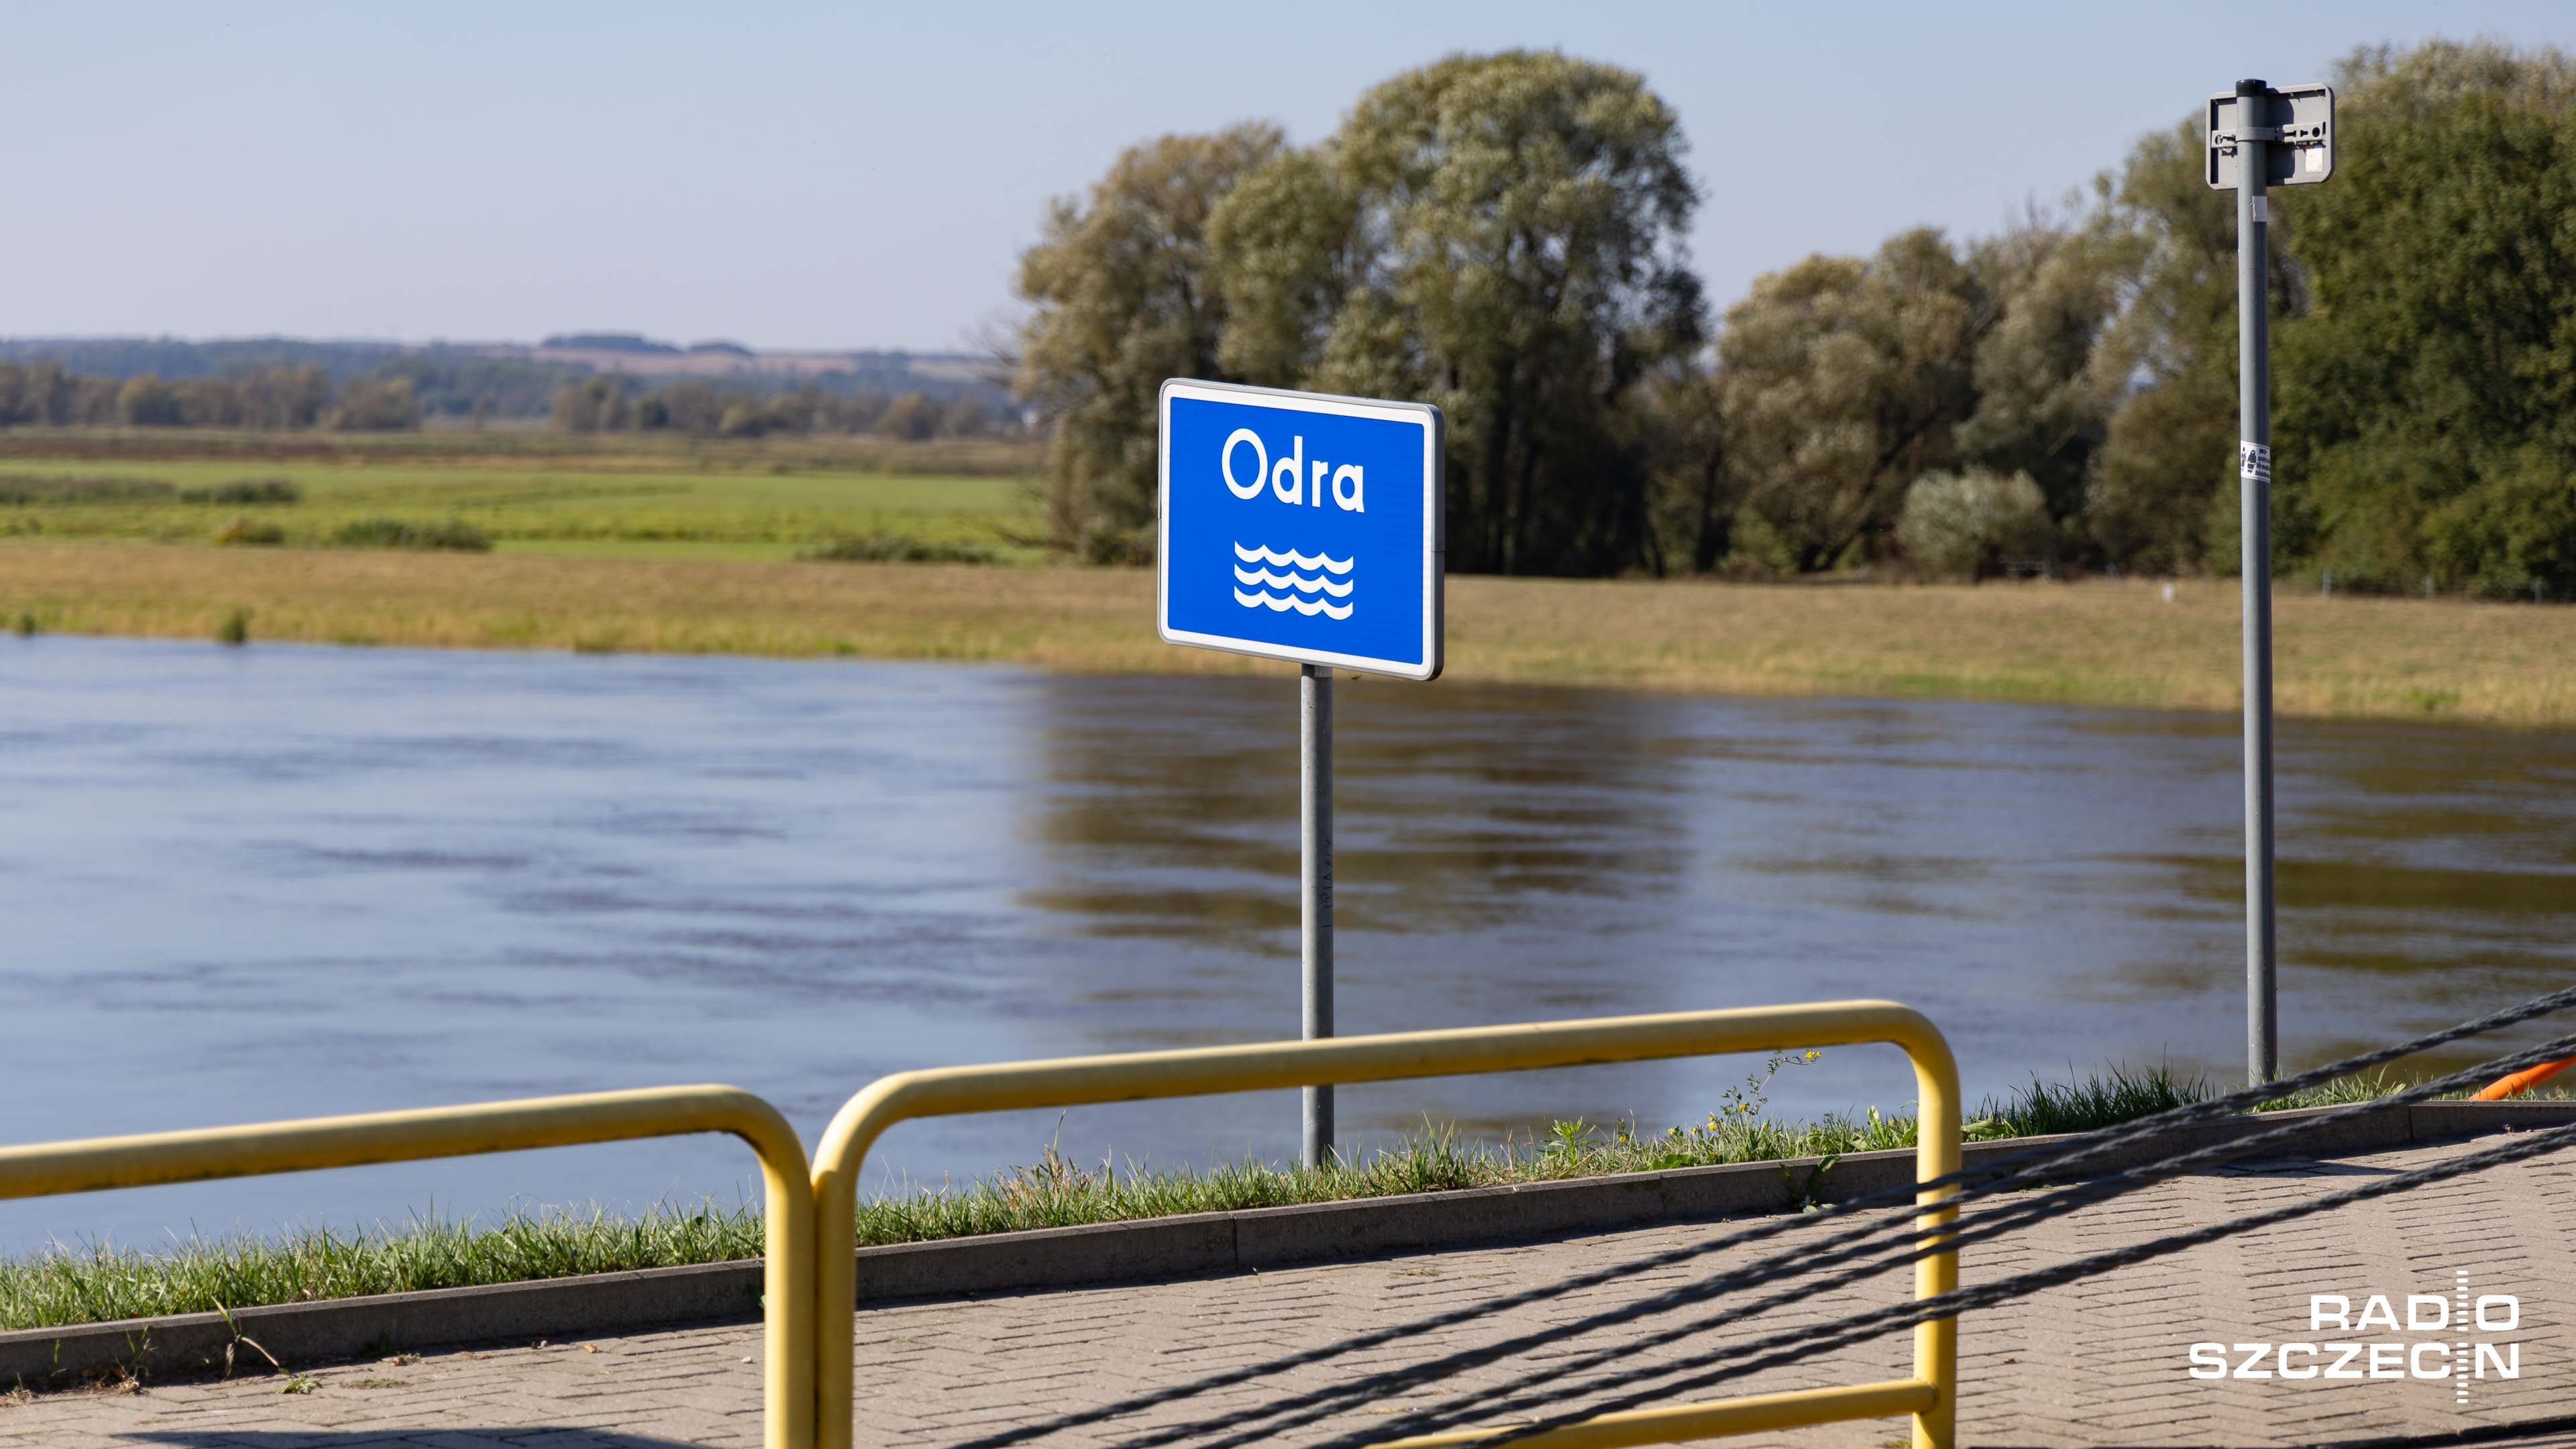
[[1501, 235], [1845, 379], [2164, 493], [1120, 299], [2053, 288]]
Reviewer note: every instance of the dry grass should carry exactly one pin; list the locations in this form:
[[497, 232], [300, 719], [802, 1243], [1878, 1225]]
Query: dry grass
[[2091, 643]]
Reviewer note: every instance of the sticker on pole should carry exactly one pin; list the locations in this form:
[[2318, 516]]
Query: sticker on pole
[[1301, 526], [2253, 462]]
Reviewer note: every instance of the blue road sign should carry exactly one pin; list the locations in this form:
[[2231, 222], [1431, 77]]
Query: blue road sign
[[1303, 527]]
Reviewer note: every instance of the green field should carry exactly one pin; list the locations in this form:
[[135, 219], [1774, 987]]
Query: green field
[[743, 502]]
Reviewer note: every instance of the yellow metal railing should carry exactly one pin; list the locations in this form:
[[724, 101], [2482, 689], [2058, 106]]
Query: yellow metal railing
[[809, 1300], [1929, 1396], [51, 1168]]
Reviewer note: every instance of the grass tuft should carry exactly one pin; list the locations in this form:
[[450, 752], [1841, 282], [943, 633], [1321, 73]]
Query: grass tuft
[[2342, 1091], [96, 1282], [234, 629], [2121, 1094]]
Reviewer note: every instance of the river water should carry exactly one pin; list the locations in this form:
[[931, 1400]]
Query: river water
[[280, 881]]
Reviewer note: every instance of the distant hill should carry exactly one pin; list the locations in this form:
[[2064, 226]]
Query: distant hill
[[518, 379], [605, 342]]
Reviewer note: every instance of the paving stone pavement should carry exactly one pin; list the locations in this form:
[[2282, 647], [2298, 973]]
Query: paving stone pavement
[[2101, 1362]]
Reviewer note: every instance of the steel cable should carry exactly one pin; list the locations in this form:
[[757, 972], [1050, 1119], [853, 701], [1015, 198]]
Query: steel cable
[[2010, 1173], [1322, 1404], [1776, 1350]]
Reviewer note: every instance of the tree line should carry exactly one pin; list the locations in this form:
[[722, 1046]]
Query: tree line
[[1502, 235], [397, 395], [604, 405], [46, 394], [469, 385]]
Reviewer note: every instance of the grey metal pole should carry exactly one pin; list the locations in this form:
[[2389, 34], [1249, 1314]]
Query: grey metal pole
[[1315, 886], [2254, 489]]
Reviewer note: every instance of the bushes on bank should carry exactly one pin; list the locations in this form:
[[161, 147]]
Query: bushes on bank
[[1975, 524], [249, 533], [454, 534], [245, 491], [899, 548]]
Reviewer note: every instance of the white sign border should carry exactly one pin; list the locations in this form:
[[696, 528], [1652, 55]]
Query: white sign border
[[1434, 493]]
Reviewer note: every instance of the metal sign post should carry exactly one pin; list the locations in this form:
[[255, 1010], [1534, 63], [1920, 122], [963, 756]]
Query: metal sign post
[[2260, 137], [1303, 527], [1315, 889]]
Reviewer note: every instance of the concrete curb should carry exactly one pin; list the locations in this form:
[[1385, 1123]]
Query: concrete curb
[[1199, 1244]]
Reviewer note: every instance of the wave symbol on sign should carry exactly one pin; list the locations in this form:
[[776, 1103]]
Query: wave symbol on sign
[[1308, 586]]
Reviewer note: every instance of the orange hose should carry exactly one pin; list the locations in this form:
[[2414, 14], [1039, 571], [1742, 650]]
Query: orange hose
[[2522, 1081]]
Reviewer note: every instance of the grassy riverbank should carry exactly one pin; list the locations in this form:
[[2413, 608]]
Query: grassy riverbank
[[536, 540], [2103, 642], [95, 1283]]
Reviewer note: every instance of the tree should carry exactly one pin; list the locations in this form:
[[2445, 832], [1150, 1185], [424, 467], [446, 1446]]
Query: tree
[[1501, 235], [1680, 415], [593, 405], [913, 417], [371, 404], [1121, 299], [147, 402], [1845, 380], [1974, 524], [692, 407], [2046, 387], [35, 392], [2427, 413], [208, 402], [92, 402], [284, 397], [2163, 496], [1286, 246], [2424, 331]]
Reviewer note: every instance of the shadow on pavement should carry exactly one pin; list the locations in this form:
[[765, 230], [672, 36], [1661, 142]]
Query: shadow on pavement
[[551, 1436], [2302, 1168]]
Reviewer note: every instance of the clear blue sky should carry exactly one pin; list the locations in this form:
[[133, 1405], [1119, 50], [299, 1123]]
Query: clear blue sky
[[851, 175]]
